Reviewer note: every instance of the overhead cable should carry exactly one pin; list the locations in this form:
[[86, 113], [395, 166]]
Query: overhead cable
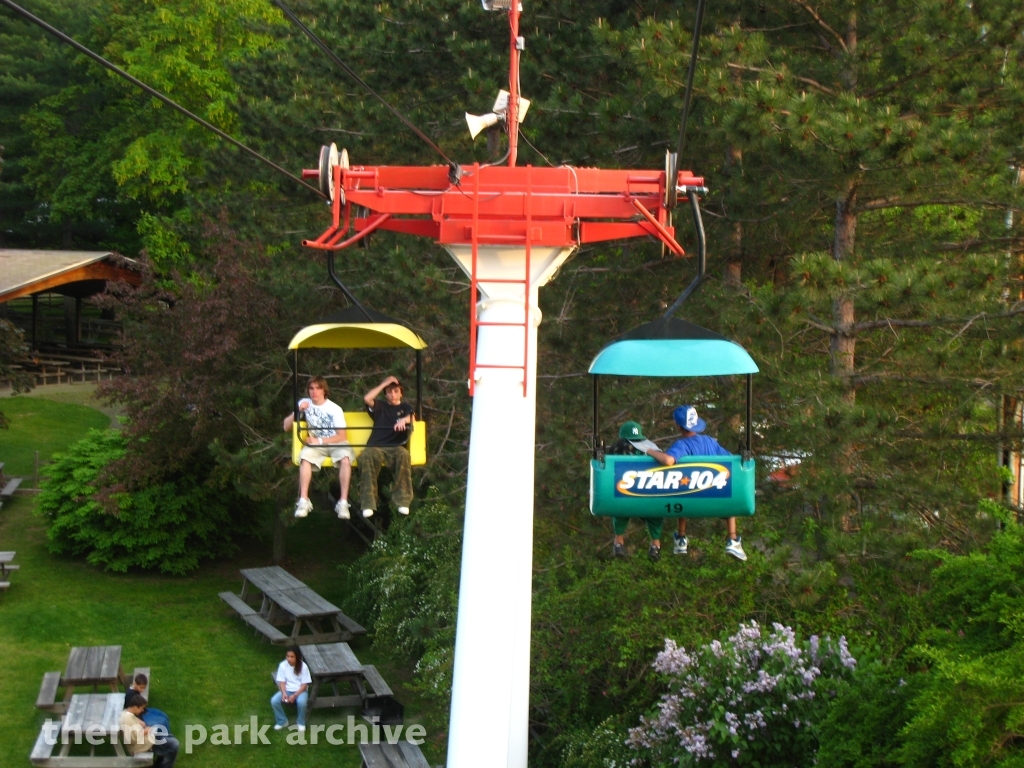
[[351, 73], [681, 143], [689, 77], [154, 93]]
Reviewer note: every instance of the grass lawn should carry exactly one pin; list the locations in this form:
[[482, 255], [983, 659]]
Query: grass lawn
[[41, 425], [207, 667]]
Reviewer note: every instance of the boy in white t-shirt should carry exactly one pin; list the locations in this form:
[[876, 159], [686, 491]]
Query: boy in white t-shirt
[[326, 437]]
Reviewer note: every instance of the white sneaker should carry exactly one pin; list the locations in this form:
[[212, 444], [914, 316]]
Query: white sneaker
[[279, 727], [680, 544], [403, 510], [367, 513], [302, 507], [342, 508], [300, 728], [734, 547]]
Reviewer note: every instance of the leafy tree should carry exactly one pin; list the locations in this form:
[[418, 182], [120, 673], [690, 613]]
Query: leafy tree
[[406, 589], [100, 149], [12, 347], [953, 698], [153, 527], [968, 711], [33, 67], [864, 152]]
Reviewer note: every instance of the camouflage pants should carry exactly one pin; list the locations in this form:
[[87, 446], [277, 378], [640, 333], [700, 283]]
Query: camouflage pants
[[371, 461]]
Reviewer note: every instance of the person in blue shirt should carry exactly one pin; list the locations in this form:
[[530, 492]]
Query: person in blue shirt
[[693, 443]]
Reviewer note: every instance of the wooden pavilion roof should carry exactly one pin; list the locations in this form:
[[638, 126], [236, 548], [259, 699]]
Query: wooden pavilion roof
[[24, 272]]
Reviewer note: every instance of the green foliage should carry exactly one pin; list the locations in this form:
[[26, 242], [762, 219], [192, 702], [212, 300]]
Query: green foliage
[[171, 526], [406, 590], [969, 711], [953, 699], [604, 747], [178, 628], [185, 50], [12, 348], [35, 67], [862, 729]]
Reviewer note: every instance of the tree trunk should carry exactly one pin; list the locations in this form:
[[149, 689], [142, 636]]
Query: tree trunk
[[734, 265], [1009, 452], [843, 347], [849, 74]]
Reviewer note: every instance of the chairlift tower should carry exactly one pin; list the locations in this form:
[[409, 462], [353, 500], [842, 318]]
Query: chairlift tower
[[509, 228]]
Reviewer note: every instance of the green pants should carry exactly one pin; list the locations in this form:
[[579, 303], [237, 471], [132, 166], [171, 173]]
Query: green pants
[[371, 461], [654, 524]]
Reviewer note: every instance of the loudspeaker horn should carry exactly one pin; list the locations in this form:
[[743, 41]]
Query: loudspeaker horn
[[478, 123]]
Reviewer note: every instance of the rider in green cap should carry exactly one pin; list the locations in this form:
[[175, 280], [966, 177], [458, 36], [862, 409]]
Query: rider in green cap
[[633, 443]]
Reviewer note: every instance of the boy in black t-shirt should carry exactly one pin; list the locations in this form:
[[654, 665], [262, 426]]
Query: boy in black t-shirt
[[392, 423]]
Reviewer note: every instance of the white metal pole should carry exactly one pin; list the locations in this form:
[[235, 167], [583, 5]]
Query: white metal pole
[[489, 721], [490, 689]]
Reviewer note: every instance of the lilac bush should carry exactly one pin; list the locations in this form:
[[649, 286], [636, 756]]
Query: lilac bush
[[751, 699]]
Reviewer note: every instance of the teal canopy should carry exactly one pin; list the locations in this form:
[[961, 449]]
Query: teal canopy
[[672, 347]]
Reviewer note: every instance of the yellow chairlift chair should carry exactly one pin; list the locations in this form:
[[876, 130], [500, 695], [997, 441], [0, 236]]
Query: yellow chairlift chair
[[352, 329]]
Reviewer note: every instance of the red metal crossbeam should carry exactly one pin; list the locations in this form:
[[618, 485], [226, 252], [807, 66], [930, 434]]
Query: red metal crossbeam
[[503, 205]]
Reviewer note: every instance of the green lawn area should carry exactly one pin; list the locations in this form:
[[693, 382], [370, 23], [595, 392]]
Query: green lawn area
[[207, 667], [37, 424]]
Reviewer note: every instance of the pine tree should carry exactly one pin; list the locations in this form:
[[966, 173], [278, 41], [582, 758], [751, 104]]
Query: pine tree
[[878, 146]]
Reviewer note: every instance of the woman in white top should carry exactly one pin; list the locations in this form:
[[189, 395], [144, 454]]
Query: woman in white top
[[292, 679]]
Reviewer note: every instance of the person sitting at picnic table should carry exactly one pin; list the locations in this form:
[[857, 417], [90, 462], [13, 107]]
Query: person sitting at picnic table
[[326, 439], [139, 737], [693, 443], [632, 442], [292, 679], [150, 715], [386, 447]]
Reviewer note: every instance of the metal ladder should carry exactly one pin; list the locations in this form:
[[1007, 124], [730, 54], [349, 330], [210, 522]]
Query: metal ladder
[[474, 284]]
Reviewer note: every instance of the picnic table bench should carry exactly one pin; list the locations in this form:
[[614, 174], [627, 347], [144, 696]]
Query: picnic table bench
[[98, 665], [6, 568], [400, 755], [95, 714], [283, 600], [9, 488]]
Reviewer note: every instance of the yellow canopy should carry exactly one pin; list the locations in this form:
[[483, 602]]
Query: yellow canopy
[[355, 336]]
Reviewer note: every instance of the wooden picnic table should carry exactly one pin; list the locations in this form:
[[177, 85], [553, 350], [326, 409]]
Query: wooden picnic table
[[93, 666], [286, 600], [330, 664], [95, 714]]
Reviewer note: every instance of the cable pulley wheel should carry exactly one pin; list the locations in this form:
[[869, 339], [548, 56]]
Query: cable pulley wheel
[[330, 158]]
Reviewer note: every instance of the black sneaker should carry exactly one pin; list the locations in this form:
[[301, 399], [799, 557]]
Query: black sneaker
[[618, 550], [654, 552]]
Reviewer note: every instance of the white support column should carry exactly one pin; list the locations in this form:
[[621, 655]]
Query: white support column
[[491, 684]]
